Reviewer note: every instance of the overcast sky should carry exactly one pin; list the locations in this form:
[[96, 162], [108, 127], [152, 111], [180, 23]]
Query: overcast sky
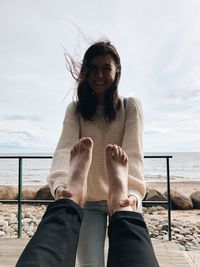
[[159, 45]]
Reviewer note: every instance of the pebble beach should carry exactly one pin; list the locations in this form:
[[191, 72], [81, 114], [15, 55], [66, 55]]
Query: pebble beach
[[185, 223]]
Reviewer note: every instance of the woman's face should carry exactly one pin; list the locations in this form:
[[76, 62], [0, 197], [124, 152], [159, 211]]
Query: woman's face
[[102, 73]]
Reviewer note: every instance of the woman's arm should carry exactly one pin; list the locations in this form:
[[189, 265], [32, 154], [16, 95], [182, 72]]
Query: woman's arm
[[133, 146], [60, 163]]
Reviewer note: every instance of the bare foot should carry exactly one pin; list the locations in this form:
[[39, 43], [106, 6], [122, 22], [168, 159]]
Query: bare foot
[[116, 164], [80, 161]]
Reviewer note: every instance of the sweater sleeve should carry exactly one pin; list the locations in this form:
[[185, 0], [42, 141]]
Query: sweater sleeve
[[133, 146], [60, 164]]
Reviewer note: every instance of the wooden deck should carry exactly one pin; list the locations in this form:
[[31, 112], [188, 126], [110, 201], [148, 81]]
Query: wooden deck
[[168, 253]]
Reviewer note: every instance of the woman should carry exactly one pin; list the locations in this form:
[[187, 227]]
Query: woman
[[101, 114]]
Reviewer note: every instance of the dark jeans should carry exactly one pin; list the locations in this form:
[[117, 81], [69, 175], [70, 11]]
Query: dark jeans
[[55, 242]]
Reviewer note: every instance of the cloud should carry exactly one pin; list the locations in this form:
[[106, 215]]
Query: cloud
[[16, 140], [21, 117], [157, 131], [19, 136]]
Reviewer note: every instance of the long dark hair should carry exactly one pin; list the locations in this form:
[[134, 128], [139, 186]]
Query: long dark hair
[[86, 99]]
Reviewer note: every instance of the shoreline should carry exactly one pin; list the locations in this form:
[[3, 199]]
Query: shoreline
[[184, 187]]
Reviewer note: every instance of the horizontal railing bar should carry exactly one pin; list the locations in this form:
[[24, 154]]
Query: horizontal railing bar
[[50, 201], [49, 157], [157, 157], [26, 201], [25, 157], [155, 202]]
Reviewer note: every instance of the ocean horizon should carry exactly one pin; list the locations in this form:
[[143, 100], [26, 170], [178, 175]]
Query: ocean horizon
[[184, 166]]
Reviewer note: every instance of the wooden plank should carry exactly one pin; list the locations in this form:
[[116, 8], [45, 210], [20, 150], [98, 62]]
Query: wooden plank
[[168, 253], [193, 258]]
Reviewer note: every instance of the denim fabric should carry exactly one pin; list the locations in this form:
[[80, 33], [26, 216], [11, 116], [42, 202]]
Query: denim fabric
[[90, 251]]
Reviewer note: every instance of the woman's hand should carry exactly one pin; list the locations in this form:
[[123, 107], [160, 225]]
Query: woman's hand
[[62, 192], [130, 201]]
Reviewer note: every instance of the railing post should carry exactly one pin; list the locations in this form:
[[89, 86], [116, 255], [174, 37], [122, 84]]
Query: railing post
[[169, 200], [20, 198]]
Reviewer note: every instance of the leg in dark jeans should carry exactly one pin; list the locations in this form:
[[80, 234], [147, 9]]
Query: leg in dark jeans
[[55, 241], [129, 241]]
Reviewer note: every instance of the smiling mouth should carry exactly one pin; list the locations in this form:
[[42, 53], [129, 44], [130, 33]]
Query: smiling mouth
[[99, 83]]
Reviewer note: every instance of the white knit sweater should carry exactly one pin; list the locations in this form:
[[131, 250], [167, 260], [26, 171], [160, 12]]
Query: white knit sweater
[[126, 131]]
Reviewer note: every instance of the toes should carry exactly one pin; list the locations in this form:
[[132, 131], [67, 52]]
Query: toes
[[124, 158], [116, 152], [81, 144], [120, 152], [88, 142], [108, 150]]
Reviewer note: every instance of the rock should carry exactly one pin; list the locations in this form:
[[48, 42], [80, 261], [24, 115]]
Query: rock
[[30, 233], [144, 210], [26, 220], [195, 196], [2, 233], [154, 195], [8, 192], [44, 193], [180, 201], [3, 224], [164, 227], [29, 194], [159, 208]]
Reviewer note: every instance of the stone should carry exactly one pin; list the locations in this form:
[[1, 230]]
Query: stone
[[195, 197], [8, 192], [165, 227], [30, 233], [29, 194], [159, 208], [26, 220], [3, 224], [2, 233], [154, 195], [180, 201], [44, 193]]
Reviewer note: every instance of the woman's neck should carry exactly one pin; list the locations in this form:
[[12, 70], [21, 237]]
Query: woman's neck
[[100, 99]]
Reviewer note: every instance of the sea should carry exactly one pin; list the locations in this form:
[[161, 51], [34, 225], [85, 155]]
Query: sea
[[183, 167]]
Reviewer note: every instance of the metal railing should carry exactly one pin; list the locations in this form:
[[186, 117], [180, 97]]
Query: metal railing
[[21, 201], [168, 201]]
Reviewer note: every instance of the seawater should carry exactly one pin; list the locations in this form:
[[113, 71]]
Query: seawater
[[183, 167]]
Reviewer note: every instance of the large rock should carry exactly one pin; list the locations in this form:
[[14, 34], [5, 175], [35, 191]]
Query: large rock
[[44, 193], [29, 193], [195, 197], [154, 195], [180, 201], [8, 192]]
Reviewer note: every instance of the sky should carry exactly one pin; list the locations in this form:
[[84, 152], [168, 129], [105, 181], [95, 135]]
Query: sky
[[159, 45]]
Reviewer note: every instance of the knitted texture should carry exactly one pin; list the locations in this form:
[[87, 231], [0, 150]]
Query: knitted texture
[[126, 131]]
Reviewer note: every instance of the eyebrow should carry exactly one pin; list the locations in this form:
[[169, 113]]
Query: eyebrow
[[105, 65]]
